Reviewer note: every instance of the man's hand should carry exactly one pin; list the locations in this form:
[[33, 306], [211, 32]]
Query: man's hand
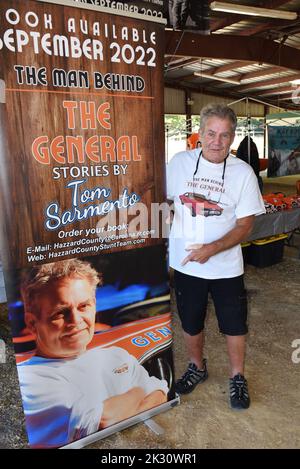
[[128, 404], [199, 253], [202, 252]]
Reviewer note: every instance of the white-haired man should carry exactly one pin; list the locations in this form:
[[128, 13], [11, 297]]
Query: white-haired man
[[211, 186]]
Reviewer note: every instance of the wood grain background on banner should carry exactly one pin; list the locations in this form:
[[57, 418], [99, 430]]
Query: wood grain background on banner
[[28, 185]]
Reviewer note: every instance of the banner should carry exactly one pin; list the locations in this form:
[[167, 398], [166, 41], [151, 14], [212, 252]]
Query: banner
[[82, 180], [187, 15], [284, 150], [152, 8]]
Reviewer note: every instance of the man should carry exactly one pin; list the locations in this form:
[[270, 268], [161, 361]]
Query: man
[[219, 192], [67, 391]]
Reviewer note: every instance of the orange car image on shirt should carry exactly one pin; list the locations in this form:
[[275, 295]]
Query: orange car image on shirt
[[199, 205]]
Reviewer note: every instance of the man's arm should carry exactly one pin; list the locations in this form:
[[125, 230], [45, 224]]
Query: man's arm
[[152, 400], [201, 253], [128, 404]]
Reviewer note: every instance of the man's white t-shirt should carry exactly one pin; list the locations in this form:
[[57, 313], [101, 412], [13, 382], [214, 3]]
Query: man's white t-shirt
[[219, 206], [63, 398]]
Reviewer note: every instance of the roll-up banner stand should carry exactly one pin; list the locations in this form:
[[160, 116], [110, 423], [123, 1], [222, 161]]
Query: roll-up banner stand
[[82, 180]]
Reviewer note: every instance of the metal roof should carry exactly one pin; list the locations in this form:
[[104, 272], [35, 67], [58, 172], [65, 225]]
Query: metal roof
[[267, 78]]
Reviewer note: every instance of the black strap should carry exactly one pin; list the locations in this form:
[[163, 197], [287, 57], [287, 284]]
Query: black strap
[[197, 164], [224, 167], [198, 161]]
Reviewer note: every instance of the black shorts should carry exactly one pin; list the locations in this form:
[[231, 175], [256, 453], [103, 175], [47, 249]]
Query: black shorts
[[229, 297]]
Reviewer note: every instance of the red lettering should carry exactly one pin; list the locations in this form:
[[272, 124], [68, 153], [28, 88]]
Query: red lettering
[[41, 154]]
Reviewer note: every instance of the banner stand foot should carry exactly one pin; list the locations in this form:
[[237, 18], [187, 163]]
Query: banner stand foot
[[145, 417], [154, 427]]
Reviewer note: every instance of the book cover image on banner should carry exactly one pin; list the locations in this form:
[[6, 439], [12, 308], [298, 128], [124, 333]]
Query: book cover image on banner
[[284, 150], [93, 343], [82, 164]]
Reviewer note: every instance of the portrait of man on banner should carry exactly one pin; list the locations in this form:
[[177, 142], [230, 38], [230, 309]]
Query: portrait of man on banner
[[68, 390]]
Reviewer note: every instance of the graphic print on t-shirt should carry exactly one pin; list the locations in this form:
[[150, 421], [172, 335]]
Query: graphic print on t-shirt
[[200, 204], [238, 197]]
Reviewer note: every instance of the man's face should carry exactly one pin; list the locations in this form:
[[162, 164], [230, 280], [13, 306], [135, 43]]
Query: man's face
[[66, 321], [216, 139]]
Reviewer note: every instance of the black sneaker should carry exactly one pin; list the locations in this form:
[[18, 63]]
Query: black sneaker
[[238, 389], [191, 378]]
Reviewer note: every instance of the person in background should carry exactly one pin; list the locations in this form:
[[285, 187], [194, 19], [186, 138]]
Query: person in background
[[193, 141]]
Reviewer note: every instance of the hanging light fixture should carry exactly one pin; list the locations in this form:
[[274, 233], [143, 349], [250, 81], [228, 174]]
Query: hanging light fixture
[[253, 11], [215, 77]]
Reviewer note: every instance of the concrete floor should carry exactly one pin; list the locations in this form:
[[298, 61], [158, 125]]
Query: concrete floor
[[203, 419]]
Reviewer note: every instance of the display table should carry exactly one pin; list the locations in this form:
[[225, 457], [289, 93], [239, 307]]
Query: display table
[[271, 224]]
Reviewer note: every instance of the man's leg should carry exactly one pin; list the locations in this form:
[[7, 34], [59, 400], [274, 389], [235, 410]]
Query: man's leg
[[236, 346], [194, 345], [230, 299], [238, 386], [191, 297], [196, 372]]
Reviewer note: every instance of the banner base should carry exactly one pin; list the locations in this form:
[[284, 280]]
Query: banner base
[[141, 418], [154, 427]]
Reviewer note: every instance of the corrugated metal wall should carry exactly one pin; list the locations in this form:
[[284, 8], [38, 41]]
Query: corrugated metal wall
[[274, 110], [175, 103]]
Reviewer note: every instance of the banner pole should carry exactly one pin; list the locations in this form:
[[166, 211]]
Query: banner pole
[[142, 418]]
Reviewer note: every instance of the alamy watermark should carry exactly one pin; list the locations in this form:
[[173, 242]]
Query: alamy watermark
[[155, 221], [296, 352]]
